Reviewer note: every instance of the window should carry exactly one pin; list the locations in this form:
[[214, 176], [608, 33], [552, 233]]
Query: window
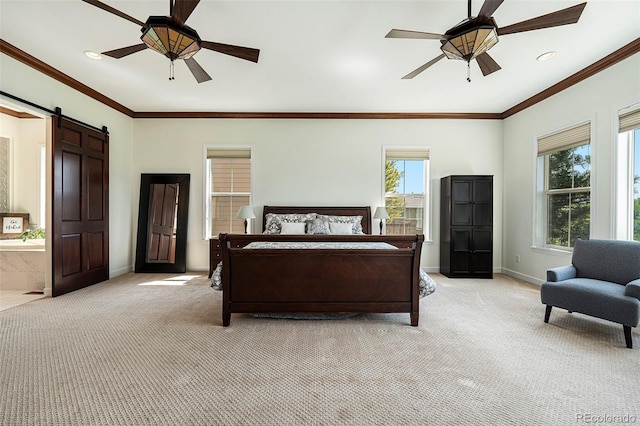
[[5, 183], [406, 174], [628, 178], [564, 163], [228, 188]]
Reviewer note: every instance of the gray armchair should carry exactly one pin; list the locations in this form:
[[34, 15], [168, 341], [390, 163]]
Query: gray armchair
[[603, 281]]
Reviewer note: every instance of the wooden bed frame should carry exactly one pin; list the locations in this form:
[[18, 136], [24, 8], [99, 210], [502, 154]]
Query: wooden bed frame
[[322, 280]]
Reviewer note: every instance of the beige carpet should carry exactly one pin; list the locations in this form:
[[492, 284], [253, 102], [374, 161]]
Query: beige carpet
[[143, 349]]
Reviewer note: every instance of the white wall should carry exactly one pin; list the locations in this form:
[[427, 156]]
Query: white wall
[[598, 99], [27, 136], [318, 162], [24, 82]]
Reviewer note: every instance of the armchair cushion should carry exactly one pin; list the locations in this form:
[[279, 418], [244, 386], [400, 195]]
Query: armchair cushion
[[597, 298], [607, 260], [633, 289], [561, 273]]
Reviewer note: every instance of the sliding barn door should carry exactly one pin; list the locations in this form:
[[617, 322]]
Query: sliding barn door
[[80, 207]]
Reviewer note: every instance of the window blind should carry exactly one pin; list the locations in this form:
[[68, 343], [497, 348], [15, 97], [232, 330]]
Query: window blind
[[629, 121], [407, 154], [228, 153], [569, 138]]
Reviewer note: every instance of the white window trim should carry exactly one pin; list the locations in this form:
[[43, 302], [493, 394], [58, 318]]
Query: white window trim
[[427, 219], [206, 184], [622, 171], [539, 232]]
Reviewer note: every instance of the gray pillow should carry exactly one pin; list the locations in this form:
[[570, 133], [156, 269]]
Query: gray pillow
[[318, 226]]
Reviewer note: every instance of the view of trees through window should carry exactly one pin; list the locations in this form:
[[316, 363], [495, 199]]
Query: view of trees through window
[[404, 196], [569, 196], [636, 185]]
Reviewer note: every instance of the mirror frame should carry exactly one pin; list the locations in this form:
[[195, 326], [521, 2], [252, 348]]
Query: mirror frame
[[146, 182]]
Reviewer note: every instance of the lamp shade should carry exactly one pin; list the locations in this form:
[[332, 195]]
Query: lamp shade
[[170, 40], [470, 44], [245, 212], [381, 213]]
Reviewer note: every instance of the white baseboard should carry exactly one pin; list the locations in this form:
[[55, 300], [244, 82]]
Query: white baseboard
[[121, 271], [522, 277]]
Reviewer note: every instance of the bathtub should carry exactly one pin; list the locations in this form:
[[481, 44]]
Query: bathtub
[[22, 265]]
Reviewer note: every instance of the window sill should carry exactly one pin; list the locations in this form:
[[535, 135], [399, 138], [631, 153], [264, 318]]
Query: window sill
[[553, 251]]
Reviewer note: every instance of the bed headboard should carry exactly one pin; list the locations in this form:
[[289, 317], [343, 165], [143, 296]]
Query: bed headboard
[[365, 212]]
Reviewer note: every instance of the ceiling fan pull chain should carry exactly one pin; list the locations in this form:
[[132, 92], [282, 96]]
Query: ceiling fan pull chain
[[469, 72], [171, 72]]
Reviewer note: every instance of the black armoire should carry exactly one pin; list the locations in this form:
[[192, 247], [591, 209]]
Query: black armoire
[[466, 226]]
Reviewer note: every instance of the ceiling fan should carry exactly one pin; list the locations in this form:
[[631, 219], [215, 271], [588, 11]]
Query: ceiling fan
[[474, 36], [169, 36]]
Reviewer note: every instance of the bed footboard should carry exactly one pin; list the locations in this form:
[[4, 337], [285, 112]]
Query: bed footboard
[[320, 280]]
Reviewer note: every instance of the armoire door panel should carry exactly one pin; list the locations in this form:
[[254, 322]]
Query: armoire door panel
[[481, 263], [483, 240], [460, 263], [483, 191], [461, 240], [461, 191], [462, 215]]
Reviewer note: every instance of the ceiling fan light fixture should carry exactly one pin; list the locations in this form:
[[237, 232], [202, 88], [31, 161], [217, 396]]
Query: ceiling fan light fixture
[[174, 42], [469, 44]]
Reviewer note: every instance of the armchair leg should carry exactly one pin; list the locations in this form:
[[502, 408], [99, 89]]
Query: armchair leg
[[627, 336], [547, 313]]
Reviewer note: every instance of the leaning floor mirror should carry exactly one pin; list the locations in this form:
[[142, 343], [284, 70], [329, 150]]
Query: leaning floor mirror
[[162, 223]]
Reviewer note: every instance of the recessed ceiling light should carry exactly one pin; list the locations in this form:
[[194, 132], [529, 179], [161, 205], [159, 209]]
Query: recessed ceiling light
[[92, 55], [546, 56]]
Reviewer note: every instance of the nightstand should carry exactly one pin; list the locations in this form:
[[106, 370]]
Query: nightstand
[[215, 254]]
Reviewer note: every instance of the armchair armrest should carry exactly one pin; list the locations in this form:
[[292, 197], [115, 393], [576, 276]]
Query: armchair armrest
[[561, 273], [633, 289]]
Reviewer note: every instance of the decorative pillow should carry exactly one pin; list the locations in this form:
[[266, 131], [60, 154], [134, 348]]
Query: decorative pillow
[[355, 221], [338, 228], [273, 223], [318, 226], [293, 228]]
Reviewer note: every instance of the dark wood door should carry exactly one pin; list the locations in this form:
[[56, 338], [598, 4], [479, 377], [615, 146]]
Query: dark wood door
[[162, 220], [80, 207]]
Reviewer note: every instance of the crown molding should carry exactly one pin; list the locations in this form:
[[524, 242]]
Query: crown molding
[[21, 56], [619, 55], [624, 52], [16, 114], [325, 115]]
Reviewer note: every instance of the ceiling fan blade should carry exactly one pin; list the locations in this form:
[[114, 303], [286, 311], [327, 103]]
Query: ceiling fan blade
[[246, 53], [487, 64], [489, 7], [198, 72], [124, 51], [566, 16], [181, 9], [115, 11], [413, 34], [422, 68]]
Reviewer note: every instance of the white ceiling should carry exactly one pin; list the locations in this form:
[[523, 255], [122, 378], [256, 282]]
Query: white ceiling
[[316, 56]]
